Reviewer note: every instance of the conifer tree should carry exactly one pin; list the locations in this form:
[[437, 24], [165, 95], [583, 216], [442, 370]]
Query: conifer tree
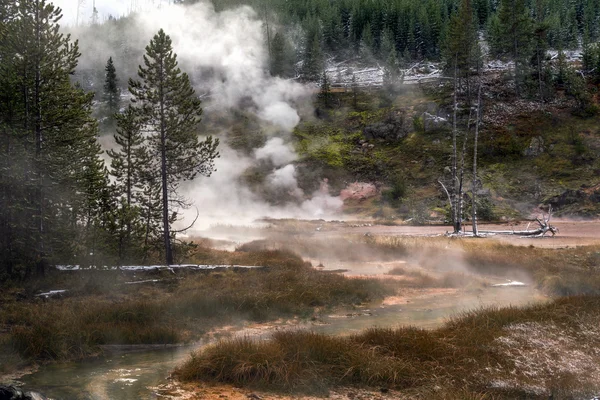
[[10, 149], [392, 69], [387, 44], [325, 93], [130, 158], [461, 40], [127, 167], [313, 60], [367, 42], [170, 111], [354, 92], [282, 62], [111, 88], [50, 123], [516, 36], [538, 59]]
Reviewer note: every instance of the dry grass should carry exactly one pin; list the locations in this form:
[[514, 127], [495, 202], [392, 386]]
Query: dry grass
[[99, 309], [468, 355], [420, 279], [556, 272], [342, 249]]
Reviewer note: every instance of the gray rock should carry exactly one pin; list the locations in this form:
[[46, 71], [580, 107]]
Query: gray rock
[[431, 122], [536, 147], [34, 396], [393, 127], [14, 393]]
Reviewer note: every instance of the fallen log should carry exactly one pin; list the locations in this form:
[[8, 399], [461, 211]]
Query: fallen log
[[544, 227]]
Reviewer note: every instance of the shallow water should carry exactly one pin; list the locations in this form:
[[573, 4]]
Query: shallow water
[[133, 375], [429, 311], [119, 376]]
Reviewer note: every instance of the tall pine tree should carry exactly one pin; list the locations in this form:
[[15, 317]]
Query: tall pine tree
[[171, 112], [49, 129], [515, 36], [128, 163], [111, 88]]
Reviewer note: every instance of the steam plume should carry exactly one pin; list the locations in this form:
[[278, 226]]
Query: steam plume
[[226, 57]]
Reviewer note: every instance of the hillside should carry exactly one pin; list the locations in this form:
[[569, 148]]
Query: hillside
[[531, 154]]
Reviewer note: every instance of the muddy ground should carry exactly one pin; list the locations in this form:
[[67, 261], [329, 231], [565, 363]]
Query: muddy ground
[[571, 233]]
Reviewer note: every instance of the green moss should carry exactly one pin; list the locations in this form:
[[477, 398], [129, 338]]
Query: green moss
[[570, 154]]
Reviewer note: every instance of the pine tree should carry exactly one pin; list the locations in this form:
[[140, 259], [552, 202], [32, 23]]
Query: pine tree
[[10, 150], [94, 205], [367, 42], [461, 40], [387, 44], [541, 28], [171, 113], [354, 92], [312, 58], [516, 36], [127, 166], [51, 124], [325, 93], [130, 157], [392, 69], [111, 88], [282, 62]]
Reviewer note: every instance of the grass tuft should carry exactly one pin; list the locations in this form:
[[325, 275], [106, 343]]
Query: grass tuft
[[463, 357], [174, 309]]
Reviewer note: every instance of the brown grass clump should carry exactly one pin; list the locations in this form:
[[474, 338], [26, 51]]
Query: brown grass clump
[[304, 361], [467, 356], [556, 272], [420, 279], [101, 309]]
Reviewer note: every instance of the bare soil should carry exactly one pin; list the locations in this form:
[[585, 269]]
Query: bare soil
[[571, 233]]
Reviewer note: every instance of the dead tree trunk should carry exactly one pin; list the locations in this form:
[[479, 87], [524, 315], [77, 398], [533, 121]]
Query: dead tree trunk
[[544, 227], [474, 187], [454, 201], [461, 174]]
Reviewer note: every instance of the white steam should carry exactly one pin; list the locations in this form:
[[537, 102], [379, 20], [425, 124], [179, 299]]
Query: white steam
[[285, 177], [281, 114], [277, 152], [225, 55]]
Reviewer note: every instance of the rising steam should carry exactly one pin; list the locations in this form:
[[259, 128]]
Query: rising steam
[[226, 57]]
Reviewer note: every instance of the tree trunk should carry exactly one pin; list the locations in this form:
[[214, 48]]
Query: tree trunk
[[474, 187], [544, 227], [38, 148], [515, 52], [461, 175], [163, 171], [454, 205], [6, 205], [148, 219], [268, 32], [539, 68]]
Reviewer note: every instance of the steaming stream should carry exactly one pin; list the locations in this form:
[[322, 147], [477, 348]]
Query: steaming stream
[[134, 375]]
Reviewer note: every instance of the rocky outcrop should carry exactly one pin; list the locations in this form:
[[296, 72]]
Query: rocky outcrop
[[433, 122], [359, 191], [393, 127], [14, 393], [536, 147]]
